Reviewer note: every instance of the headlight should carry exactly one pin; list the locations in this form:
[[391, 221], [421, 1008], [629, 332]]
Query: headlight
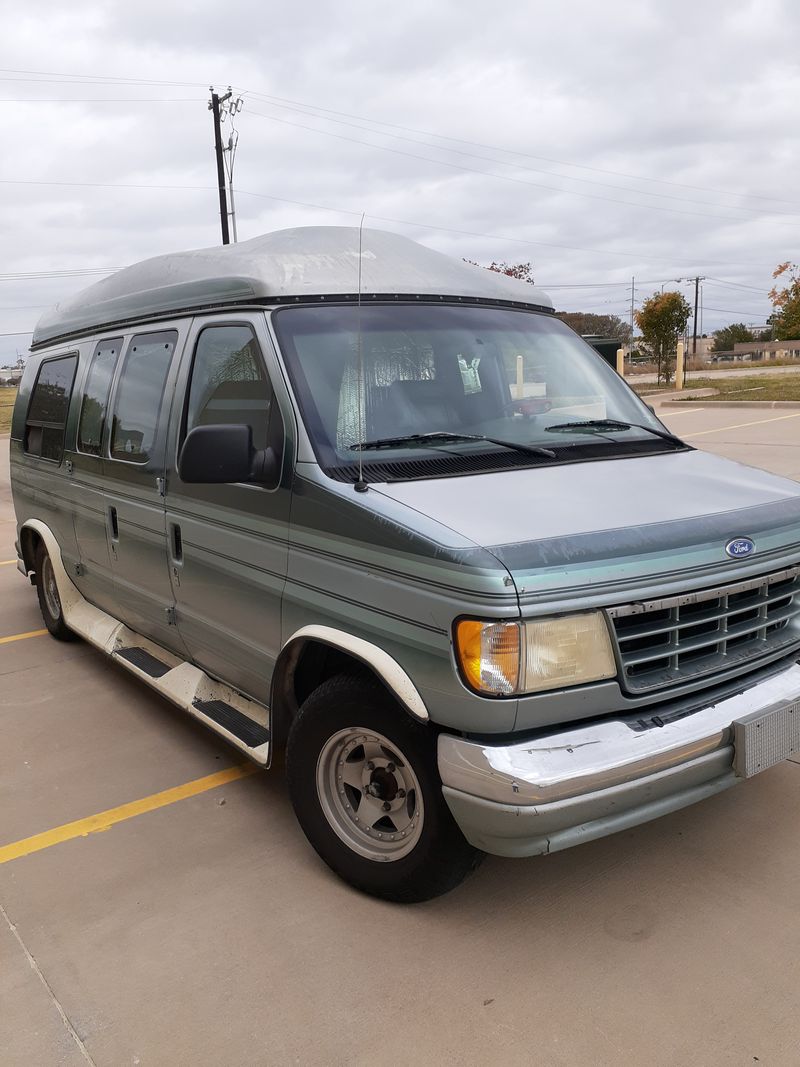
[[507, 658]]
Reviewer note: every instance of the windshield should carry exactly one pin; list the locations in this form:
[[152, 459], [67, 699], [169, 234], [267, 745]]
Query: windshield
[[468, 372]]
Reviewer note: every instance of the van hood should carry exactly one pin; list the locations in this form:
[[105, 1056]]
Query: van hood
[[616, 522]]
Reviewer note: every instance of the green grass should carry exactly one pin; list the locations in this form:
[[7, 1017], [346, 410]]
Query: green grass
[[742, 387], [7, 398]]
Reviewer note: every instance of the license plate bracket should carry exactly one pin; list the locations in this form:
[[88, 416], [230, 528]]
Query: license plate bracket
[[765, 738]]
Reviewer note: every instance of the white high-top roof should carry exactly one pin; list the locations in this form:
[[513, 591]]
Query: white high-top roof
[[302, 263]]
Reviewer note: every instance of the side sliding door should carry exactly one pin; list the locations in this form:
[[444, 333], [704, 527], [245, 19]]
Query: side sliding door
[[134, 484]]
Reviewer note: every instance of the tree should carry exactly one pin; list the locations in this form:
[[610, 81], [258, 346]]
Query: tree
[[728, 336], [787, 303], [583, 322], [522, 271], [662, 319]]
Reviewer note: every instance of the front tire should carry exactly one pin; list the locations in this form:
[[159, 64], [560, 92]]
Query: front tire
[[365, 788], [49, 598]]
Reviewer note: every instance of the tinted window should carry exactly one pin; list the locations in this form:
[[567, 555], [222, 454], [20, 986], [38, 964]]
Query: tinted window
[[95, 396], [229, 384], [139, 395], [47, 413]]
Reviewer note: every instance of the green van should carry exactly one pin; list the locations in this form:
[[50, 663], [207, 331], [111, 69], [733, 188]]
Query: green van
[[334, 492]]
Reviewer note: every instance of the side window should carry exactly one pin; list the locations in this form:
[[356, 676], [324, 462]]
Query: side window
[[139, 395], [229, 383], [47, 411], [95, 396]]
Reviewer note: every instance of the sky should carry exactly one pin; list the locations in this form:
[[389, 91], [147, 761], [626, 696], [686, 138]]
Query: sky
[[600, 142]]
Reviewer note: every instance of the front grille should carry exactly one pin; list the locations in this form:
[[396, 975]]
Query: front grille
[[680, 639]]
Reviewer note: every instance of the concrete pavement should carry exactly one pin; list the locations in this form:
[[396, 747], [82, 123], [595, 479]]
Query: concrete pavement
[[208, 932]]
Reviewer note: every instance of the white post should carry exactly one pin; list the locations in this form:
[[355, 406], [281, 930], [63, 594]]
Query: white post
[[520, 378], [679, 366], [621, 362]]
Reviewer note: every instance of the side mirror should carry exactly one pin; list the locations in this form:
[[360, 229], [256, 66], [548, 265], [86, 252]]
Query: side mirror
[[213, 454], [224, 454]]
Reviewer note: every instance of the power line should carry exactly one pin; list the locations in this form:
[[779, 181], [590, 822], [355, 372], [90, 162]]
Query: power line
[[99, 100], [493, 236], [45, 275], [503, 177], [736, 285], [63, 78], [511, 151], [730, 311], [507, 163], [529, 243], [55, 78]]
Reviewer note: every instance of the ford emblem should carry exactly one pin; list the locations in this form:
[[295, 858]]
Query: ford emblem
[[739, 547]]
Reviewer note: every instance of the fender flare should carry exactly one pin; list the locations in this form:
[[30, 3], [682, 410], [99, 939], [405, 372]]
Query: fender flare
[[68, 593], [385, 667]]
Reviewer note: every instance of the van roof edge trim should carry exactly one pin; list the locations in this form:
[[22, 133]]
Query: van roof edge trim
[[279, 302]]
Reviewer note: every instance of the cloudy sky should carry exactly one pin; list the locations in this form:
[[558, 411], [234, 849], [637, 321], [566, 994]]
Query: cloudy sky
[[598, 141]]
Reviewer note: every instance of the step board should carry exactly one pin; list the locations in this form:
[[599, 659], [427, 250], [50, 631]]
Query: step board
[[144, 661], [248, 731]]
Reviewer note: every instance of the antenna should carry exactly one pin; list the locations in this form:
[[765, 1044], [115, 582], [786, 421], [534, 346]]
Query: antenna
[[360, 486]]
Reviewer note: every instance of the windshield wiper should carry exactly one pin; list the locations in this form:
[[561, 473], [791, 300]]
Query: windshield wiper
[[614, 424], [445, 435]]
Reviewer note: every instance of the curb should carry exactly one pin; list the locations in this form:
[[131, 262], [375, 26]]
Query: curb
[[667, 398], [763, 404]]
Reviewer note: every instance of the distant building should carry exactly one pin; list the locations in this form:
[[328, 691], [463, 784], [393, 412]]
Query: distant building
[[768, 349], [758, 352]]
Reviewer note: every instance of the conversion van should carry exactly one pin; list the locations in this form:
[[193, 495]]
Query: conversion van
[[340, 494]]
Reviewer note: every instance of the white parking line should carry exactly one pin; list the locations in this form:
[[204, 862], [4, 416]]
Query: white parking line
[[689, 411]]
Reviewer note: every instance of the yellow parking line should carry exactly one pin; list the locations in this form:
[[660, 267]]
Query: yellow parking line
[[22, 637], [105, 819], [740, 425]]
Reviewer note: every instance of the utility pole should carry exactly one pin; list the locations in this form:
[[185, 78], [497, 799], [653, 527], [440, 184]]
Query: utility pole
[[697, 281], [630, 350], [214, 107], [231, 111]]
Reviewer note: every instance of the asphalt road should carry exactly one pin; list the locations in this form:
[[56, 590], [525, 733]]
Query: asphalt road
[[207, 931]]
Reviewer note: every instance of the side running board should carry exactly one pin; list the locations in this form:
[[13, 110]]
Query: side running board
[[241, 721], [244, 723]]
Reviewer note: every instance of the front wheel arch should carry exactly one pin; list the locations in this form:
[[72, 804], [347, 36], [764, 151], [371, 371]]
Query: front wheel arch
[[315, 654]]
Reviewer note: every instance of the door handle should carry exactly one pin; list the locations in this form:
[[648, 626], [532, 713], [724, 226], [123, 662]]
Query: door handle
[[176, 542], [113, 523]]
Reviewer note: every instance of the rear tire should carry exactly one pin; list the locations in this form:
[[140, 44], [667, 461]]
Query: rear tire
[[49, 598], [365, 787]]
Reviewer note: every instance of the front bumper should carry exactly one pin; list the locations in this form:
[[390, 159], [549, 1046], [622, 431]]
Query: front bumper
[[584, 782]]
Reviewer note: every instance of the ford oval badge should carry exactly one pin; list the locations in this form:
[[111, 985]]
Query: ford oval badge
[[739, 547]]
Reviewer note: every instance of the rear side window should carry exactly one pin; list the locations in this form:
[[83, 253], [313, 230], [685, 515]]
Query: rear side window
[[139, 395], [47, 412], [229, 383], [95, 395]]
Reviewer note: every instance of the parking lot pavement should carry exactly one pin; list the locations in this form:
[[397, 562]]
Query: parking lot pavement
[[206, 931], [765, 438]]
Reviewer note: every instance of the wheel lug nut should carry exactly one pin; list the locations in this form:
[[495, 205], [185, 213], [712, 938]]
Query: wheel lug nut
[[401, 793], [370, 766], [387, 806], [390, 767]]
